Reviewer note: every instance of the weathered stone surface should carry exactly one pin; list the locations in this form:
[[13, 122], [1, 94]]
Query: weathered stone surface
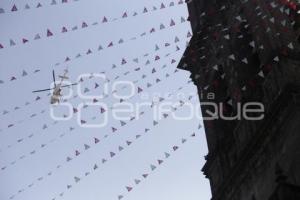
[[249, 51]]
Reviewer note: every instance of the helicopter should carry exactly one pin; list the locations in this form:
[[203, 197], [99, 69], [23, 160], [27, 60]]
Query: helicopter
[[56, 94]]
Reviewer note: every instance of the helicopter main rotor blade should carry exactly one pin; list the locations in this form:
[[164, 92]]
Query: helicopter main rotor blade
[[53, 74], [69, 85], [42, 90]]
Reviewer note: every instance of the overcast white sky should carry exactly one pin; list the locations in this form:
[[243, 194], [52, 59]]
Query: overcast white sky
[[179, 177]]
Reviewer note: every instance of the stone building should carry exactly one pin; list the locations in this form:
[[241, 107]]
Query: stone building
[[248, 51]]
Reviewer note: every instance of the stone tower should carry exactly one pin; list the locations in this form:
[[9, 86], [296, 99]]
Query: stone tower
[[245, 51]]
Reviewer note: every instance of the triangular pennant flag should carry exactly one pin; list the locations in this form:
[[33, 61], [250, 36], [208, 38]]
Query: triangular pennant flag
[[128, 143], [24, 73], [122, 123], [137, 181], [182, 19], [96, 140], [49, 33], [160, 162], [124, 15], [104, 20], [37, 36], [120, 197], [153, 167], [12, 43], [39, 5], [140, 90], [167, 155], [161, 26], [145, 175], [86, 147], [128, 188], [84, 25], [120, 148], [172, 23], [112, 154], [14, 8], [110, 44], [76, 179]]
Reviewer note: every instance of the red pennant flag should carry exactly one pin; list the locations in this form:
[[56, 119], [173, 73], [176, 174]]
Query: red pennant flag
[[129, 188], [152, 30], [112, 154], [110, 44], [64, 30], [114, 129], [67, 59], [96, 140], [157, 57], [75, 110], [77, 153], [145, 175], [96, 85], [172, 23], [175, 148], [104, 20], [102, 110], [1, 46], [49, 33], [24, 40], [89, 52], [123, 61], [140, 90], [95, 100], [160, 161], [84, 25], [14, 8], [124, 15], [128, 143]]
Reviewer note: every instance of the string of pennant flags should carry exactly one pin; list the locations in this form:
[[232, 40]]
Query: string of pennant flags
[[28, 6], [120, 148], [86, 90], [49, 33], [15, 8], [152, 167], [89, 52], [82, 121], [252, 44], [151, 69], [124, 61], [96, 141], [102, 110], [4, 112]]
